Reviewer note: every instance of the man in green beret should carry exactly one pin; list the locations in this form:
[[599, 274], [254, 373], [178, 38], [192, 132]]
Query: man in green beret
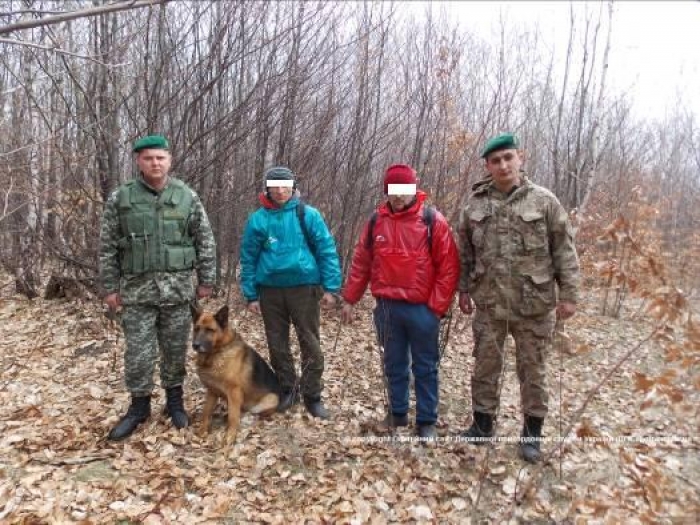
[[520, 270], [154, 234]]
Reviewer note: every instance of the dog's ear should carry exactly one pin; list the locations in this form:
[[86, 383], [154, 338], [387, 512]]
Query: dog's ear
[[196, 312], [222, 316]]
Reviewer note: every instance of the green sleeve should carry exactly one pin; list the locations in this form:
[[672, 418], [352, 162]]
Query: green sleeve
[[564, 256], [110, 233], [204, 242], [466, 250]]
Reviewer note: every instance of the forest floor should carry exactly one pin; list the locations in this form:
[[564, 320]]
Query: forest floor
[[61, 390]]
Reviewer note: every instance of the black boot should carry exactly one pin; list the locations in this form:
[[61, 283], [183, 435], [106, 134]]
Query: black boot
[[482, 428], [175, 408], [288, 399], [316, 408], [427, 432], [531, 439], [395, 420], [139, 411]]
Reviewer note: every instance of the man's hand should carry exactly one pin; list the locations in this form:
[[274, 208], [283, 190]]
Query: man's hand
[[347, 313], [113, 301], [565, 310], [204, 291], [465, 303], [328, 300], [254, 306]]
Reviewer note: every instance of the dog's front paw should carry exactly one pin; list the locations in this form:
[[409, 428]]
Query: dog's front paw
[[229, 439], [203, 432]]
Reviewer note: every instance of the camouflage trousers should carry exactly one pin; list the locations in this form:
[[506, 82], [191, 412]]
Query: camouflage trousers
[[151, 332], [532, 340], [298, 305]]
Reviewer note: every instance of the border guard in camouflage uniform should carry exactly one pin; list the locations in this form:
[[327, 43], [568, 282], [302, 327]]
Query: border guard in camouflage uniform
[[155, 232], [519, 267]]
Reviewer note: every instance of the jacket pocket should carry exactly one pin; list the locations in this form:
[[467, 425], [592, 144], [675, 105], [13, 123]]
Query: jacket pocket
[[478, 220], [533, 230], [171, 232], [538, 295], [397, 269], [284, 262], [179, 258], [132, 255]]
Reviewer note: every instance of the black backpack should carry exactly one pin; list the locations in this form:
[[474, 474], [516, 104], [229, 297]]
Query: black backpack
[[428, 219]]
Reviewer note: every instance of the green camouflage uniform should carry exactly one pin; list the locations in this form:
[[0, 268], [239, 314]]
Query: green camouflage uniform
[[149, 244], [518, 259]]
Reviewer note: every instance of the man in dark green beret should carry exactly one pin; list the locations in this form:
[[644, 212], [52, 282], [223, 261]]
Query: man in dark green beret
[[155, 233], [520, 269]]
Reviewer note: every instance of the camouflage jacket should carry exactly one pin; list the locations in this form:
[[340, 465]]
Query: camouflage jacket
[[155, 287], [514, 248]]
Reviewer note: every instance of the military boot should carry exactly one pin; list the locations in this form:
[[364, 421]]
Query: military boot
[[482, 428], [316, 408], [139, 411], [175, 408], [531, 439]]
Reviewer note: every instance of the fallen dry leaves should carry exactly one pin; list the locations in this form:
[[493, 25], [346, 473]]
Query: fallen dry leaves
[[61, 390]]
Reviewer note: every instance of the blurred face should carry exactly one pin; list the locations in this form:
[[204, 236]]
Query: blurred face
[[280, 194], [400, 196], [154, 164], [504, 167], [400, 202]]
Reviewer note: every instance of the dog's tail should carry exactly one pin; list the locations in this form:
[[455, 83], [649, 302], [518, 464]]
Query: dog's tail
[[263, 373]]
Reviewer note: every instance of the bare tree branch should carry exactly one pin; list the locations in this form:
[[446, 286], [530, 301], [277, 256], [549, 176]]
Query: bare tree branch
[[57, 50], [81, 13]]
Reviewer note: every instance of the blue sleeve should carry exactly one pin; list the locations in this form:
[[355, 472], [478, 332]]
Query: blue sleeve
[[251, 246], [325, 251]]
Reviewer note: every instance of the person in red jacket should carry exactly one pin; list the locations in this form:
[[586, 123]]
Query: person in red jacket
[[410, 259]]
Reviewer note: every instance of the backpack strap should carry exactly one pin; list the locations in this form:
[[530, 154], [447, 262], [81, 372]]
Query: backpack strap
[[369, 242], [428, 219], [301, 215]]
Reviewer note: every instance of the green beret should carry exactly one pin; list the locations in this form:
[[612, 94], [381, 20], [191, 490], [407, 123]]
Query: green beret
[[151, 142], [503, 141]]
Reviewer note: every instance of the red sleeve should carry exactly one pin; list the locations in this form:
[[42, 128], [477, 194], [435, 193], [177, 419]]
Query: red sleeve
[[360, 270], [446, 263]]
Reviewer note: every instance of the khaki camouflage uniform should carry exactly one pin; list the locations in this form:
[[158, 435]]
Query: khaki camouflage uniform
[[152, 272], [518, 259]]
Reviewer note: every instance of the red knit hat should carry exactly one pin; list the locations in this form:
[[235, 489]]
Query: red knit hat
[[399, 174]]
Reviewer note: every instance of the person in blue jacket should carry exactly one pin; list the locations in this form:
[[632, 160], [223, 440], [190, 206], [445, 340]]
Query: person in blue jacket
[[289, 265]]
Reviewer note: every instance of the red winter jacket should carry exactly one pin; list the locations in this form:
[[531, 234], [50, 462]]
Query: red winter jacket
[[399, 264]]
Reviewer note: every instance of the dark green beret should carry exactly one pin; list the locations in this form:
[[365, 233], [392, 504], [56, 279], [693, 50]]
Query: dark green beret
[[503, 141], [151, 142]]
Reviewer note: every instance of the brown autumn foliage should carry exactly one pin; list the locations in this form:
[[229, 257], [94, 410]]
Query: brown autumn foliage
[[621, 439]]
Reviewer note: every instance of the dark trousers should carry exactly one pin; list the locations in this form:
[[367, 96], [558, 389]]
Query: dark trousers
[[409, 334], [300, 306]]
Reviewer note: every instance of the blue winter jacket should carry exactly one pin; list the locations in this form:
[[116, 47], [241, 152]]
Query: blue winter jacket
[[274, 251]]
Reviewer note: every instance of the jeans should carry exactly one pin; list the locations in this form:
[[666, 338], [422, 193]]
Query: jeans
[[409, 334]]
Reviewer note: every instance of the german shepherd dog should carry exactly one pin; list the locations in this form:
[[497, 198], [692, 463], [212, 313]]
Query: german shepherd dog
[[231, 369]]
